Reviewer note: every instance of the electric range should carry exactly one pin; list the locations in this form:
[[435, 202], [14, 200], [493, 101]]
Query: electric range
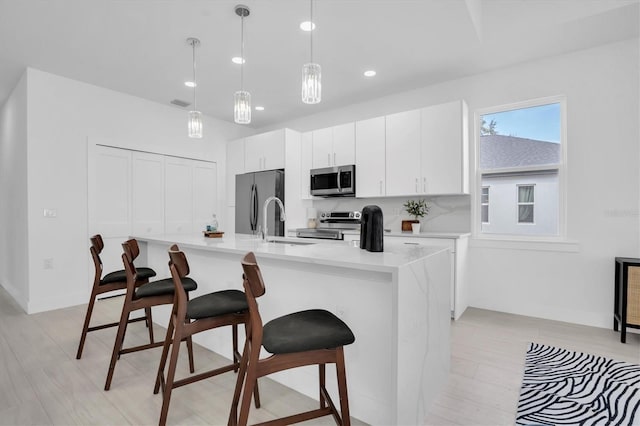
[[332, 225]]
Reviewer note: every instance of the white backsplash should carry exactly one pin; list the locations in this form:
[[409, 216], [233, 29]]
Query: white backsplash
[[447, 213]]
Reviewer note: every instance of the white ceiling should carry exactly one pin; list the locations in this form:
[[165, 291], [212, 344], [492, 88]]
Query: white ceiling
[[139, 46]]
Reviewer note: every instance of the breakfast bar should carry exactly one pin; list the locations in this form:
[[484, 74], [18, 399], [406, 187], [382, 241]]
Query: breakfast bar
[[396, 302]]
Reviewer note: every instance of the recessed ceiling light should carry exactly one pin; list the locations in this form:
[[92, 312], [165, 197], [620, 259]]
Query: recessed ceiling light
[[259, 108], [238, 60], [369, 73], [307, 26], [190, 84]]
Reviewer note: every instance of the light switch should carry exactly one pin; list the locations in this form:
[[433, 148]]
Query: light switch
[[50, 213]]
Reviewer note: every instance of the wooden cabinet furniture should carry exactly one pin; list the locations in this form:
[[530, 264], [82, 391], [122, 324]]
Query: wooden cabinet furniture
[[334, 146], [626, 303], [370, 158]]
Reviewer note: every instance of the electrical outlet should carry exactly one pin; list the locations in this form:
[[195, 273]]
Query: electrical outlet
[[396, 211], [50, 213], [48, 263]]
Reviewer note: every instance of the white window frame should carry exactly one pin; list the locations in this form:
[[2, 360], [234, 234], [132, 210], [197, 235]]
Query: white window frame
[[476, 210], [522, 203], [482, 203]]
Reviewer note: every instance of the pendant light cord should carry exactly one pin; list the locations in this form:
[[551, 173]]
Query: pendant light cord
[[195, 83], [242, 52], [311, 32]]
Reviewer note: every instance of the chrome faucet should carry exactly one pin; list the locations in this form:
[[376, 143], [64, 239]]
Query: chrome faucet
[[283, 215]]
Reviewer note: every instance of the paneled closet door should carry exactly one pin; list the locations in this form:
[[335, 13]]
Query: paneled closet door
[[205, 195], [178, 193], [148, 194], [109, 201]]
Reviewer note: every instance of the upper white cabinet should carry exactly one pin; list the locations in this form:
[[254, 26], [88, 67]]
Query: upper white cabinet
[[334, 146], [264, 151], [306, 162], [403, 153], [370, 158], [235, 166], [444, 158], [427, 151]]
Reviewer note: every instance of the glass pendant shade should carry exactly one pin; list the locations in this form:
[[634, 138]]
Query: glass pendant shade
[[311, 84], [242, 107], [195, 124]]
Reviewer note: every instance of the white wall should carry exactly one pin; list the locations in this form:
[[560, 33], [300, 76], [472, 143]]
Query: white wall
[[14, 273], [63, 115], [601, 87]]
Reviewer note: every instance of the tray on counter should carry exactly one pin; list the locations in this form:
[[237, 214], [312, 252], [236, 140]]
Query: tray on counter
[[213, 234]]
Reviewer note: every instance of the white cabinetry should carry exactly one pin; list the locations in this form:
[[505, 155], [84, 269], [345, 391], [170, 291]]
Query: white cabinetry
[[445, 144], [427, 151], [264, 151], [235, 166], [306, 163], [402, 153], [458, 248], [334, 146], [370, 158], [178, 195]]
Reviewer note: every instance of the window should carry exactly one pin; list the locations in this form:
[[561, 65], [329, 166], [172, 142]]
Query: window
[[525, 203], [485, 204], [520, 157]]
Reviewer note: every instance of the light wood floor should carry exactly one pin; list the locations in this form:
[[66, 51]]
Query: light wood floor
[[41, 382]]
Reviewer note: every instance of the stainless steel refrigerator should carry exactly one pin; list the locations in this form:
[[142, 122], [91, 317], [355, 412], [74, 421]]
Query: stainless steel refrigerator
[[252, 189]]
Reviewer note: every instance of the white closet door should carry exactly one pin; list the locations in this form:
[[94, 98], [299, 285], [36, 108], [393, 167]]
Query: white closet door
[[178, 193], [205, 195], [148, 194], [109, 192]]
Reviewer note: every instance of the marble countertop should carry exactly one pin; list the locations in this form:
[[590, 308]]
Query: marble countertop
[[426, 234], [320, 252]]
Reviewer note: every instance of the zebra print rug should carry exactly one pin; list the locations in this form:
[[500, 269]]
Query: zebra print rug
[[562, 387]]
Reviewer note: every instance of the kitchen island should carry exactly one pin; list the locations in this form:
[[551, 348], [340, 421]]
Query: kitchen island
[[396, 303]]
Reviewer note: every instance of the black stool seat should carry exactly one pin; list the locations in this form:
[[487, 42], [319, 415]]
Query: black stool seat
[[121, 275], [163, 287], [306, 331], [216, 304]]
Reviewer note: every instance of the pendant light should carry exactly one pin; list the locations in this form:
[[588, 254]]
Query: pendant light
[[311, 75], [195, 117], [242, 98]]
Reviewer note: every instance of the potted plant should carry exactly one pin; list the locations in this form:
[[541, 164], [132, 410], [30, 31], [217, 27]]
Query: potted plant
[[417, 209]]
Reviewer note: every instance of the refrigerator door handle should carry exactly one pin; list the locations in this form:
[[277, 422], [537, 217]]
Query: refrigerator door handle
[[251, 204], [255, 207]]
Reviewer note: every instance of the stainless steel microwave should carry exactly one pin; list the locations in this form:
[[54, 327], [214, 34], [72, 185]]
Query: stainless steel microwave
[[338, 181]]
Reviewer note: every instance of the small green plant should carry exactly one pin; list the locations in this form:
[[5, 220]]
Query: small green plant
[[416, 209]]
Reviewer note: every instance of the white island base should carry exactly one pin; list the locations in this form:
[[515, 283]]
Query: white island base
[[396, 303]]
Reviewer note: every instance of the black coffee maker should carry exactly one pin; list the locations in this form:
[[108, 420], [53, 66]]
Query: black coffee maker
[[371, 229]]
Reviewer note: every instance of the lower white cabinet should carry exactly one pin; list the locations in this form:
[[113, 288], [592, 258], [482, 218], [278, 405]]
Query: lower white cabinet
[[458, 248]]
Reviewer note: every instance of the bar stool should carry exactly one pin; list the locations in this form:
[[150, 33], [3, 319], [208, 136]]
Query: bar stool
[[213, 310], [302, 338], [116, 280], [145, 296]]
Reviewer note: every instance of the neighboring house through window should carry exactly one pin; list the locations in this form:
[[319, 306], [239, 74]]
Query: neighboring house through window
[[525, 203], [520, 158], [485, 204]]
